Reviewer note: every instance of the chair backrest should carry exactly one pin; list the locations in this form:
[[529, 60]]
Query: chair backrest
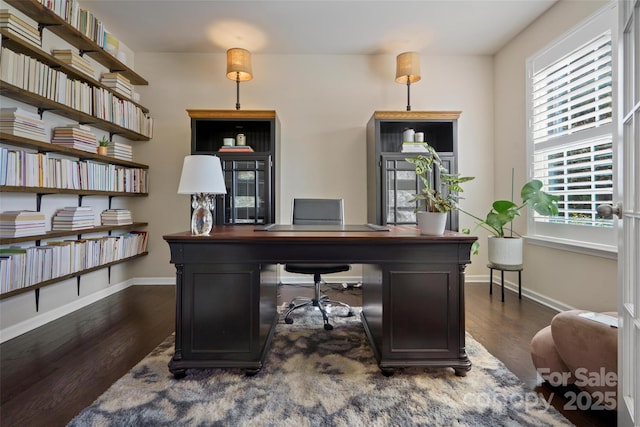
[[318, 211]]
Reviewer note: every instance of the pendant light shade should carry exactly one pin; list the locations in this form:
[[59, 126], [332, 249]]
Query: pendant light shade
[[408, 71], [239, 64]]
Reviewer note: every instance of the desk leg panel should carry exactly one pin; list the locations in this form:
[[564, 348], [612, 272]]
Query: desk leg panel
[[414, 315], [227, 315]]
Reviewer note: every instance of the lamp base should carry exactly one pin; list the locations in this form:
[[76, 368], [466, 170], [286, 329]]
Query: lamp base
[[201, 221]]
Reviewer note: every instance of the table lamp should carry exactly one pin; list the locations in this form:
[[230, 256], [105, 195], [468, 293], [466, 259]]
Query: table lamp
[[202, 177]]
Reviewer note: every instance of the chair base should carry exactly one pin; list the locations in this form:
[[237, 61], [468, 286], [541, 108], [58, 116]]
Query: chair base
[[317, 301]]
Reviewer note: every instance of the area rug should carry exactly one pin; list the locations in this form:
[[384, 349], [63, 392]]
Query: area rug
[[314, 377]]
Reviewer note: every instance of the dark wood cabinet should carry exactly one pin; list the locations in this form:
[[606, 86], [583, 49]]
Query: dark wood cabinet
[[250, 175], [391, 180]]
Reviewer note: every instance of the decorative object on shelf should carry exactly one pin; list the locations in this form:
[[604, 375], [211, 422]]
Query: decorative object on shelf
[[408, 71], [241, 139], [103, 146], [441, 199], [228, 142], [239, 68], [409, 135], [504, 248], [202, 177]]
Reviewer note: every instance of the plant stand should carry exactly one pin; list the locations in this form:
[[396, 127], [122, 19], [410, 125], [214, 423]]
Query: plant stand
[[502, 269]]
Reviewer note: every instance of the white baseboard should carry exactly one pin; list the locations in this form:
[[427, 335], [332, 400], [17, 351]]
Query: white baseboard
[[526, 293]]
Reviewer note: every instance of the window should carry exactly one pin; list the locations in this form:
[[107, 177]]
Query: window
[[570, 133]]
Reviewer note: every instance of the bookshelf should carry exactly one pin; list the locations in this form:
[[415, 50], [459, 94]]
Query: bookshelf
[[48, 19], [130, 121], [251, 177], [391, 180]]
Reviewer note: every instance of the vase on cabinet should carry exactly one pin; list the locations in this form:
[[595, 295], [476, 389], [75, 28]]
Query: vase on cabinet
[[431, 223]]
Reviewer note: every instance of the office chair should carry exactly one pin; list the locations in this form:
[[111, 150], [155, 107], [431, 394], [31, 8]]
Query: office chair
[[316, 212]]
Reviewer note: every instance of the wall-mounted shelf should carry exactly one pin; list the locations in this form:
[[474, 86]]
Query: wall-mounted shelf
[[76, 274], [56, 234], [18, 45], [45, 104], [53, 148], [44, 190], [58, 26]]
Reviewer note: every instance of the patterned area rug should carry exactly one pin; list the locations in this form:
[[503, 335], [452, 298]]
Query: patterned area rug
[[314, 377]]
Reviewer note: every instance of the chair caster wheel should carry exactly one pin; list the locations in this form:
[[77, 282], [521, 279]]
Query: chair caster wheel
[[328, 327], [288, 320], [291, 305]]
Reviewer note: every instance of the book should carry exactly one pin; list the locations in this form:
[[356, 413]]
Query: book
[[414, 147], [236, 149]]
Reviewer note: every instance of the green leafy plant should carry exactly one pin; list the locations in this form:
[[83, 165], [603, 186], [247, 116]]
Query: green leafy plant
[[441, 198], [104, 142], [503, 212]]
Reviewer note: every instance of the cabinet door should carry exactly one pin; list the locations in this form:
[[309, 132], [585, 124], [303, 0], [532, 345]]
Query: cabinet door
[[400, 184], [248, 198]]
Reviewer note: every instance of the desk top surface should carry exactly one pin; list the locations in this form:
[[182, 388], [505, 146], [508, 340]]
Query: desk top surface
[[244, 232]]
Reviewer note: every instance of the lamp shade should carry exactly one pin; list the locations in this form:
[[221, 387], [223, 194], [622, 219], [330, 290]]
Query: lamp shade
[[408, 67], [202, 174], [239, 64]]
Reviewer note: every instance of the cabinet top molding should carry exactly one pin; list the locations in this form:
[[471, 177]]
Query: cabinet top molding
[[417, 115], [232, 114]]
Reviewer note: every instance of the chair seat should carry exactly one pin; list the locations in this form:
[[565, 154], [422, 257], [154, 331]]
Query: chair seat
[[316, 268]]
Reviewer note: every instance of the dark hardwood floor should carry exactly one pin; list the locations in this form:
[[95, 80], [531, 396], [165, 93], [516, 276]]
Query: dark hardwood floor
[[50, 374]]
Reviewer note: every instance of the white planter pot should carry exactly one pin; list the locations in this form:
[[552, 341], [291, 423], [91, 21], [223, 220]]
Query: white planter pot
[[431, 223], [505, 250]]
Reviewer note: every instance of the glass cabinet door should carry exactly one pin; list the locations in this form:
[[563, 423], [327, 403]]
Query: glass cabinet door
[[248, 191], [400, 183]]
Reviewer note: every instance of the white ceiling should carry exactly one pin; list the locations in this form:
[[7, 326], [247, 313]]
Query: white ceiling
[[435, 27]]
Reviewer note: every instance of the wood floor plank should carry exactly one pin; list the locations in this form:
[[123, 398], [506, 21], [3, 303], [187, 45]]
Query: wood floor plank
[[50, 374]]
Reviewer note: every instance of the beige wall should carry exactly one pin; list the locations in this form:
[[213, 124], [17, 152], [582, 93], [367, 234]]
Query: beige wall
[[323, 103], [571, 279]]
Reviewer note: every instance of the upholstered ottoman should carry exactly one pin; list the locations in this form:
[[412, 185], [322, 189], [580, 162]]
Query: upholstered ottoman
[[578, 350]]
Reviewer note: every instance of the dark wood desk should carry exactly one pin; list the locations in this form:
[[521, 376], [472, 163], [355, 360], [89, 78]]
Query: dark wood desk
[[226, 293]]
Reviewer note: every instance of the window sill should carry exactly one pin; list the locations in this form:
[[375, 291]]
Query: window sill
[[602, 251]]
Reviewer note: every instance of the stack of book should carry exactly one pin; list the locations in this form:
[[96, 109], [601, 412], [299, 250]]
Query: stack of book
[[235, 149], [74, 60], [75, 136], [20, 28], [73, 218], [120, 151], [19, 122], [116, 217], [118, 83], [414, 147], [21, 223]]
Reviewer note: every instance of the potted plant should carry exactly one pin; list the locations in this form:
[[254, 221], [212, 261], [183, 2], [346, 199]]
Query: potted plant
[[504, 248], [434, 202], [102, 146]]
